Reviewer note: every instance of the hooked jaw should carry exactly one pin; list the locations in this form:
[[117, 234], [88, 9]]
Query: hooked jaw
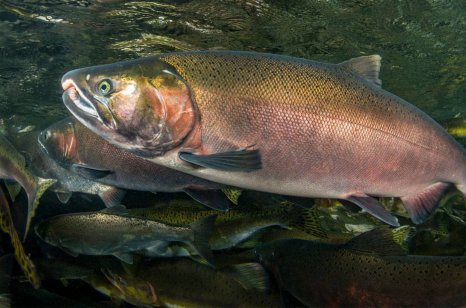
[[78, 102]]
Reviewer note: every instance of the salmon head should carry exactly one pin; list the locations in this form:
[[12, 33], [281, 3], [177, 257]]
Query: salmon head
[[142, 105], [59, 142]]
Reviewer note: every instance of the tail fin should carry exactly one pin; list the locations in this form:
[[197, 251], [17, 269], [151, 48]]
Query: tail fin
[[307, 220], [34, 196], [202, 230]]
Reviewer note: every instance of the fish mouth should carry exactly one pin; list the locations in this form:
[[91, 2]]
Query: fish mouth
[[85, 109]]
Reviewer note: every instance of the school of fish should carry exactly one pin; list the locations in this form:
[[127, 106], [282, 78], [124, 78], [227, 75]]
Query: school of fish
[[250, 138]]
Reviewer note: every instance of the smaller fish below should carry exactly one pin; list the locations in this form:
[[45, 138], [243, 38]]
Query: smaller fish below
[[42, 165], [184, 283], [237, 225], [114, 232], [73, 146], [370, 270], [13, 167]]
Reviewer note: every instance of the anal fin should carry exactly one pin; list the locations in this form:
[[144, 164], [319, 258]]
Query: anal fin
[[420, 206], [112, 196], [372, 206]]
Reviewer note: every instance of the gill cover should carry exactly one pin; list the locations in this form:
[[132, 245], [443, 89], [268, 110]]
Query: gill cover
[[142, 105], [173, 107]]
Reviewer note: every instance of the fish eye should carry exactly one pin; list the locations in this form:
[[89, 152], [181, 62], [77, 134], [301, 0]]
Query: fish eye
[[104, 87]]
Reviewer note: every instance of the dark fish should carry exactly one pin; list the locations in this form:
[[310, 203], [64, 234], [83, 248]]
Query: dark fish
[[238, 224], [114, 232], [273, 123], [7, 226], [13, 167], [368, 271], [6, 267], [68, 182], [78, 149], [184, 283]]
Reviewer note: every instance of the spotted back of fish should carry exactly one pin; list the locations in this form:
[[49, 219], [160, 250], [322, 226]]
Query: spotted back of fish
[[329, 114]]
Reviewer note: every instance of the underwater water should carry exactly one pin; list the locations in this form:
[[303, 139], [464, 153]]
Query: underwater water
[[423, 48]]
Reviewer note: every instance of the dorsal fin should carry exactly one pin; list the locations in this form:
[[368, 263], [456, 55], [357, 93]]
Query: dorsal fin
[[379, 241], [366, 66]]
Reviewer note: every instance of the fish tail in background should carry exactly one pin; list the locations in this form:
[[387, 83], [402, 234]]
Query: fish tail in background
[[112, 196], [6, 224], [202, 230], [306, 220], [34, 194]]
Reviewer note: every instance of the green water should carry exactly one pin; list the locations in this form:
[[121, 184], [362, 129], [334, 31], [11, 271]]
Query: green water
[[422, 44]]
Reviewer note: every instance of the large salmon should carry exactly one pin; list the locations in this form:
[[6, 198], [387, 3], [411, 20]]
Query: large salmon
[[273, 123]]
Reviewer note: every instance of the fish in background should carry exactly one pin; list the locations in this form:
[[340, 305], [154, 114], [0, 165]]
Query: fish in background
[[7, 226], [114, 232], [370, 270], [68, 182], [273, 123], [78, 149], [184, 283], [456, 127], [238, 224], [13, 167]]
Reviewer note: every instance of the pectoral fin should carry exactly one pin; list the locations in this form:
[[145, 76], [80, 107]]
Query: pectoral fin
[[202, 230], [234, 161], [373, 207], [89, 172], [215, 199]]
